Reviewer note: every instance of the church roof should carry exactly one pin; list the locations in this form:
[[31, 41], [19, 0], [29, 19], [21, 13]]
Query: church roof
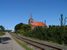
[[38, 24]]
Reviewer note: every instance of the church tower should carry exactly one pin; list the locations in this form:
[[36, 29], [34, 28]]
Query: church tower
[[30, 20]]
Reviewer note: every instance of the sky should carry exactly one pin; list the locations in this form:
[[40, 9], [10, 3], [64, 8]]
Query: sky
[[13, 12]]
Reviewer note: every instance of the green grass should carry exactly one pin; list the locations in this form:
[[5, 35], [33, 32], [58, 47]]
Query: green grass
[[23, 44]]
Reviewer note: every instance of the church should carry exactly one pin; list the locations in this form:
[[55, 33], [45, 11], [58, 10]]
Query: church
[[34, 23]]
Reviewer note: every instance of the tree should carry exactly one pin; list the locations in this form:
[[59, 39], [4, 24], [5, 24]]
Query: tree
[[18, 27], [2, 28], [22, 28]]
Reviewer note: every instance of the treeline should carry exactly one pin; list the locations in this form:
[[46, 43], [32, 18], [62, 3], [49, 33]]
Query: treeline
[[57, 34], [2, 29]]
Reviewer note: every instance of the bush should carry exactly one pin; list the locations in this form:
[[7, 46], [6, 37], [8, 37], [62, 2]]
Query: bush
[[2, 33], [2, 29]]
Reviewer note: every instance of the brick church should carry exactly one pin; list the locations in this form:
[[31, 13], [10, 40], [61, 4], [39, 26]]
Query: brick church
[[35, 23]]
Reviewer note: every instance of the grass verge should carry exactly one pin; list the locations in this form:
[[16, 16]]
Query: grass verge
[[23, 44]]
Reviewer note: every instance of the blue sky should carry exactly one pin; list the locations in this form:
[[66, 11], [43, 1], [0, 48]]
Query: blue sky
[[13, 12]]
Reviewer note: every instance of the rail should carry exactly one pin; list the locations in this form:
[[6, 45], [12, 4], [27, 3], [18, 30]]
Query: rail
[[38, 44]]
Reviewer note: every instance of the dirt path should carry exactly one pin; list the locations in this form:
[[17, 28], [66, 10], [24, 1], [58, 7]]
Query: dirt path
[[9, 43]]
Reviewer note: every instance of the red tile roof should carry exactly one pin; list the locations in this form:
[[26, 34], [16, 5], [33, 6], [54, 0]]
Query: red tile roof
[[38, 24]]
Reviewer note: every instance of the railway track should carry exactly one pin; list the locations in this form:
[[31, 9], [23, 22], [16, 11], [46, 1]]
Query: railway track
[[36, 44]]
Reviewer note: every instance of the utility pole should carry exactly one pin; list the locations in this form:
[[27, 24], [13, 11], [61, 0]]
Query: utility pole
[[61, 20]]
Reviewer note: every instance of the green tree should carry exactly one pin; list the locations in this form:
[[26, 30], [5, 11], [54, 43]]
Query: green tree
[[2, 28], [22, 28]]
